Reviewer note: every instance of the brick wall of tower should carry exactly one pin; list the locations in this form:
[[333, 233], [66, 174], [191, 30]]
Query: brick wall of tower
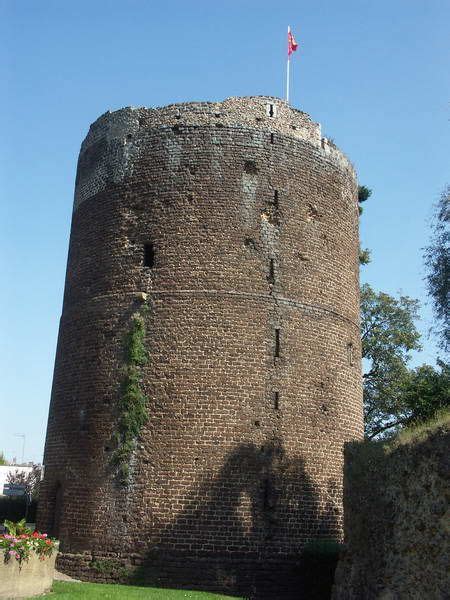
[[254, 224]]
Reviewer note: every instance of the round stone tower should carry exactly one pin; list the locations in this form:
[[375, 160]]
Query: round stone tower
[[221, 239]]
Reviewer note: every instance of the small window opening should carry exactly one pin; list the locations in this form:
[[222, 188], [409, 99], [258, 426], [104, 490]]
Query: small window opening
[[277, 343], [272, 271], [276, 400], [271, 110], [350, 354], [149, 255], [250, 167], [250, 244], [272, 138]]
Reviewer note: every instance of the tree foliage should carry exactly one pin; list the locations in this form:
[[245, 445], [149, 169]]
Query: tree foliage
[[388, 337], [363, 194], [437, 261], [364, 256], [3, 460], [395, 396], [30, 480], [426, 391]]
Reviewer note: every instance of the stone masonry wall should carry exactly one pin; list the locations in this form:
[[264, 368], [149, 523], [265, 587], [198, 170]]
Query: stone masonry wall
[[396, 521], [253, 380]]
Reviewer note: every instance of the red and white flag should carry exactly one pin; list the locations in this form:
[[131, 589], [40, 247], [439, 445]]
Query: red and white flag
[[292, 44]]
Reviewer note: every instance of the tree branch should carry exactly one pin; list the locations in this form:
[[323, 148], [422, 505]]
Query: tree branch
[[387, 426]]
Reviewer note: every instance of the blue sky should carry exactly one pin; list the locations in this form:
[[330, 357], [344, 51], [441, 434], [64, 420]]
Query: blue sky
[[375, 74]]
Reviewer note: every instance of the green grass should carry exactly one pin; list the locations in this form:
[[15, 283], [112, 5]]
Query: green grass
[[67, 591], [421, 431]]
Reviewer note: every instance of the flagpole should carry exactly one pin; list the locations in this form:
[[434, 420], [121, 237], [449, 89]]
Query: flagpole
[[288, 69]]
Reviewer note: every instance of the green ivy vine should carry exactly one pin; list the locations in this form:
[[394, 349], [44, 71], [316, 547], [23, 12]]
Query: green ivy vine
[[133, 402]]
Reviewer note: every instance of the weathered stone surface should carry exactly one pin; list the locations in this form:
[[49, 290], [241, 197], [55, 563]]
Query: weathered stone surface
[[32, 577], [254, 224], [396, 522]]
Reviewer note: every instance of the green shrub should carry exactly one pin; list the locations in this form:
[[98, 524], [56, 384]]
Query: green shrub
[[110, 568], [133, 402], [14, 509]]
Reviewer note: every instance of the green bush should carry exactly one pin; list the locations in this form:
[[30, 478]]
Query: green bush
[[14, 509]]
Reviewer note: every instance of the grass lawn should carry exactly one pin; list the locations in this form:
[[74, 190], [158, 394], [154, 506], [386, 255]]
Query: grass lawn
[[63, 590]]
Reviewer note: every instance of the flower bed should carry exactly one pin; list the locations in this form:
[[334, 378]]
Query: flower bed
[[28, 561]]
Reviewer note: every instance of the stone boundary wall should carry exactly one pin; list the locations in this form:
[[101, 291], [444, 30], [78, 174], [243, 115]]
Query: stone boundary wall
[[396, 521], [247, 578]]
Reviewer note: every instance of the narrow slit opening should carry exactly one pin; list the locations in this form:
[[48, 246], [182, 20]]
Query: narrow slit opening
[[350, 354], [272, 271], [276, 400], [149, 255], [275, 198], [277, 343]]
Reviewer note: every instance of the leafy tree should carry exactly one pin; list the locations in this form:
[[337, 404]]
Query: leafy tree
[[426, 391], [30, 480], [3, 460], [388, 336], [437, 261], [395, 396]]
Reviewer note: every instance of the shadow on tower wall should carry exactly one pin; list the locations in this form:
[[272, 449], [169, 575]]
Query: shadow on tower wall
[[243, 532]]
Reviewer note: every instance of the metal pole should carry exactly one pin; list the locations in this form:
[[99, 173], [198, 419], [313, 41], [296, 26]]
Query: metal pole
[[287, 80], [288, 69], [22, 435]]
